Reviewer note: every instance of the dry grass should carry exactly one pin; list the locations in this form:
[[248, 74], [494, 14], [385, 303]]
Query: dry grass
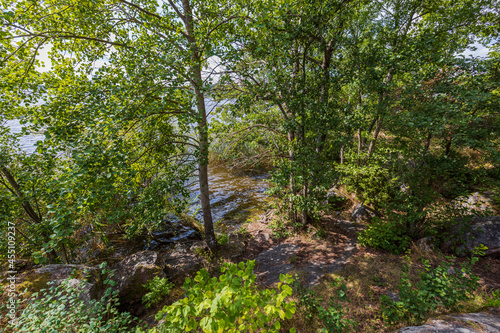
[[372, 273]]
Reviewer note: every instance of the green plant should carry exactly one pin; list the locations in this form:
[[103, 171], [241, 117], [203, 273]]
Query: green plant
[[230, 303], [494, 299], [387, 235], [223, 239], [320, 233], [62, 309], [158, 288], [279, 229], [439, 286], [332, 317]]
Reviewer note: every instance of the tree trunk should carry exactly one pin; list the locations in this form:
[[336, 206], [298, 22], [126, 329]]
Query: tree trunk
[[197, 83], [16, 190], [428, 142], [448, 147], [292, 214], [375, 136]]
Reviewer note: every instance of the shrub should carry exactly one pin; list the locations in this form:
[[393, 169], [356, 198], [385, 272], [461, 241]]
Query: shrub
[[230, 303], [389, 236], [332, 318], [440, 286], [60, 309], [158, 288]]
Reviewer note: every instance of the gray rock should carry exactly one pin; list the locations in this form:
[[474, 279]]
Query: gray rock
[[132, 273], [278, 254], [198, 247], [393, 296], [483, 230], [86, 279], [271, 274], [425, 244], [362, 213], [273, 262], [61, 272], [179, 264], [87, 291], [315, 271], [475, 201], [38, 278], [484, 322]]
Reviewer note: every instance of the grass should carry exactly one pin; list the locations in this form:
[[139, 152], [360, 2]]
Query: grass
[[371, 274]]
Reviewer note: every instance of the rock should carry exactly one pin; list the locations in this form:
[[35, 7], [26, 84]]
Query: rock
[[37, 279], [262, 237], [179, 264], [273, 262], [393, 296], [483, 230], [132, 273], [334, 198], [255, 227], [278, 254], [484, 322], [362, 213], [315, 271], [425, 244], [236, 245], [88, 291], [198, 247], [259, 231], [475, 201]]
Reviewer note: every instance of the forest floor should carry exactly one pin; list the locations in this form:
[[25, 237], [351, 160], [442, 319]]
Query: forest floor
[[328, 253]]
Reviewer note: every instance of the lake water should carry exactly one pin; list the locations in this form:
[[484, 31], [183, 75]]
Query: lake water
[[234, 196]]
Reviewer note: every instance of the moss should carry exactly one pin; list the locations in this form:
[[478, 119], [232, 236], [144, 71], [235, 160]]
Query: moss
[[34, 283]]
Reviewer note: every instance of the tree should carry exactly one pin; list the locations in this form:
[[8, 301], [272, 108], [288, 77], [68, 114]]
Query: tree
[[289, 70], [143, 101]]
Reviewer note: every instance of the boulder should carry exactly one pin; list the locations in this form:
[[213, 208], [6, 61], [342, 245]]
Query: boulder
[[178, 264], [475, 201], [334, 198], [362, 213], [484, 322], [274, 262], [483, 230], [425, 244], [87, 291], [88, 279], [132, 273]]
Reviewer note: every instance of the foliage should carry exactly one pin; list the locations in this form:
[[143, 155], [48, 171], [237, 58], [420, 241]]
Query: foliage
[[230, 303], [441, 286], [411, 216], [494, 299], [223, 239], [62, 309], [158, 288], [280, 228], [332, 317], [390, 236]]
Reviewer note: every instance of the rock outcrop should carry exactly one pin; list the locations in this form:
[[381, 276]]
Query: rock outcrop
[[132, 273], [86, 279], [482, 322], [483, 230]]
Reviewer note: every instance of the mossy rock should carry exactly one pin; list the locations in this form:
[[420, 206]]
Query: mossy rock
[[38, 279]]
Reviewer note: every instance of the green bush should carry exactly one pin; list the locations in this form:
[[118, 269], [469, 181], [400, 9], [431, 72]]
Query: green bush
[[230, 303], [332, 318], [389, 236], [158, 288], [60, 309], [436, 287]]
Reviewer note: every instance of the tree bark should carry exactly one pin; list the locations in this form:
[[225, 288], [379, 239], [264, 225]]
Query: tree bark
[[197, 83], [51, 255]]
